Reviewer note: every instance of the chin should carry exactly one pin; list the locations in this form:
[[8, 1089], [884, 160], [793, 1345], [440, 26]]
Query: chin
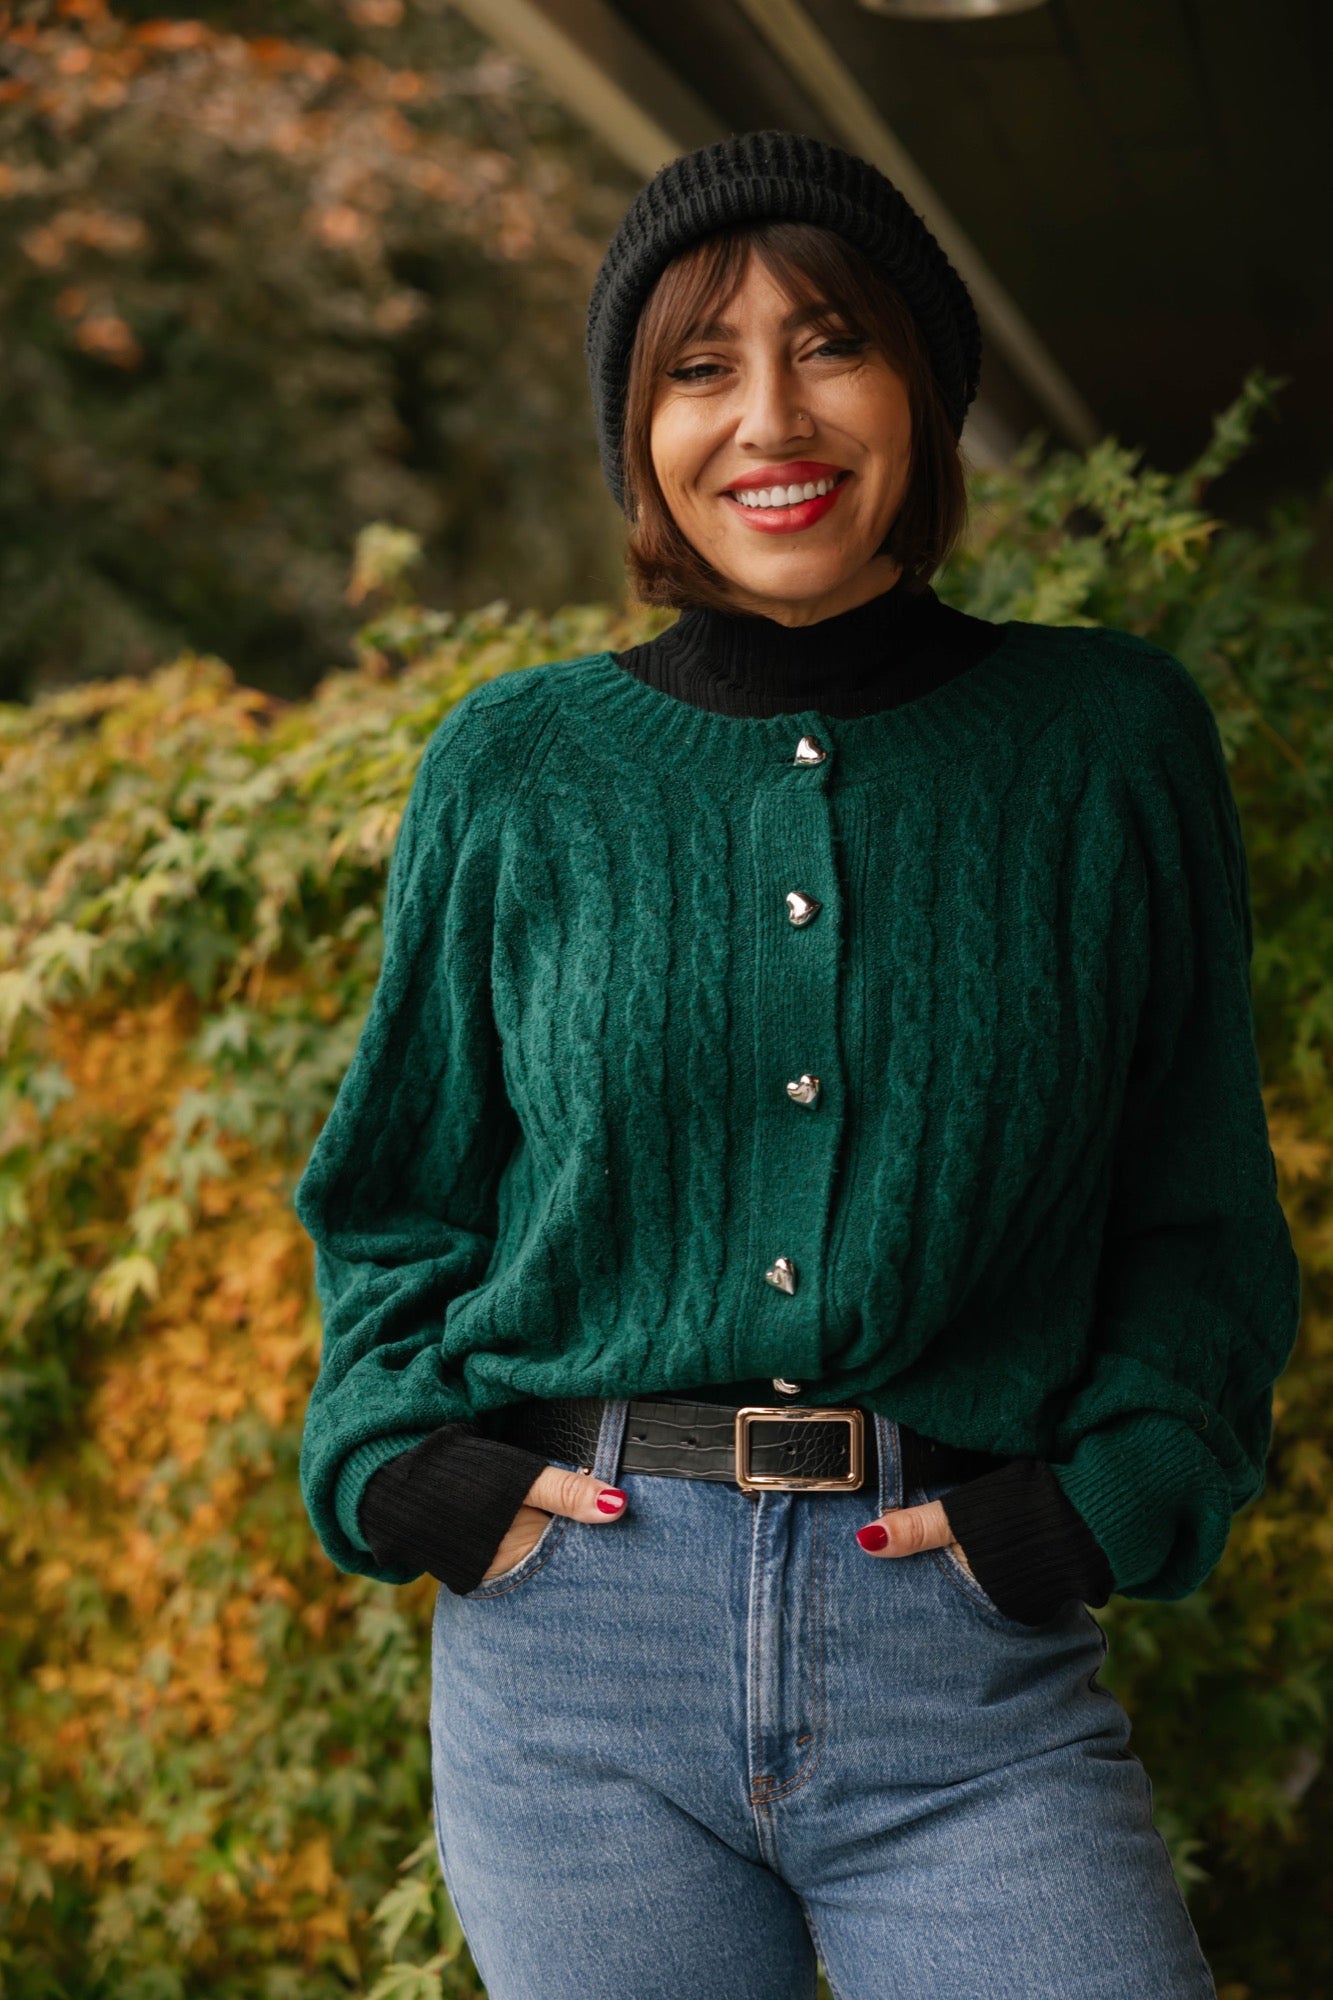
[[788, 582]]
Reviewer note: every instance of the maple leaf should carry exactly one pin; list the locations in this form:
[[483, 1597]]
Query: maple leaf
[[120, 1284]]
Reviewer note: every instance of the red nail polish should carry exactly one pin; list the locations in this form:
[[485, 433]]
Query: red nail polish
[[610, 1500], [875, 1536]]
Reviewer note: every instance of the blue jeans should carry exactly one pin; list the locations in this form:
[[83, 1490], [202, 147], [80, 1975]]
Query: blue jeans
[[679, 1755]]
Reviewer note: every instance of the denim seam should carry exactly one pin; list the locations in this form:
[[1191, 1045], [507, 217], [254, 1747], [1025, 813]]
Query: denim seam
[[767, 1831], [1094, 1683], [806, 1771], [754, 1670], [439, 1836], [813, 1928], [1160, 1837]]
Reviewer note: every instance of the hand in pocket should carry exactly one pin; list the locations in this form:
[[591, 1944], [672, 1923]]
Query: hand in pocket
[[907, 1531], [554, 1491]]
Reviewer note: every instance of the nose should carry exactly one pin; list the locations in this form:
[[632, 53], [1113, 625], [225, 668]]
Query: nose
[[771, 411]]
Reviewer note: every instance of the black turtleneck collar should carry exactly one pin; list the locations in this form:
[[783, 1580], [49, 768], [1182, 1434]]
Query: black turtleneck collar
[[892, 649]]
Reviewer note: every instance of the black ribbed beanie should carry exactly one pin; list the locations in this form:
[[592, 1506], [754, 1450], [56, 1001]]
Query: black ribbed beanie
[[760, 177]]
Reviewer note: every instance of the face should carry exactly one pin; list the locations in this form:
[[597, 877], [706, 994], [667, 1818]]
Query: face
[[760, 401]]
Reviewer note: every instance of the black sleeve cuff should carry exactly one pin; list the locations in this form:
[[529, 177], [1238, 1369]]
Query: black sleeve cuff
[[444, 1506], [1028, 1546]]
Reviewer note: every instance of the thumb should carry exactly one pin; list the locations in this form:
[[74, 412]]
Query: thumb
[[575, 1494], [905, 1531]]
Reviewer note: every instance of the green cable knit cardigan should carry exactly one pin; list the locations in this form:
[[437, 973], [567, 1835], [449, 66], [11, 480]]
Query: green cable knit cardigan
[[1033, 1207]]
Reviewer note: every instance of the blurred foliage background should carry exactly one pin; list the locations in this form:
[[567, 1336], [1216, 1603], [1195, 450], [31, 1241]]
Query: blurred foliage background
[[268, 272], [281, 286]]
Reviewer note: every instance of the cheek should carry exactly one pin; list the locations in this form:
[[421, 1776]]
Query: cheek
[[677, 454], [876, 409]]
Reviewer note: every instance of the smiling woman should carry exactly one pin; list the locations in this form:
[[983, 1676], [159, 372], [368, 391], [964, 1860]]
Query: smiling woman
[[812, 1076], [816, 376]]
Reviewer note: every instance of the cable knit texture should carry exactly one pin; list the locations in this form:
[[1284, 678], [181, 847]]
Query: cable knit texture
[[1034, 1208], [446, 1504], [783, 177]]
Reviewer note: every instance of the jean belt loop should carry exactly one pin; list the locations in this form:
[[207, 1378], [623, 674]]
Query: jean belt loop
[[611, 1439], [891, 1493]]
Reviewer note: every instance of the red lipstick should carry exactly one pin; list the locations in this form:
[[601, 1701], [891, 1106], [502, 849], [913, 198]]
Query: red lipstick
[[792, 471], [786, 520]]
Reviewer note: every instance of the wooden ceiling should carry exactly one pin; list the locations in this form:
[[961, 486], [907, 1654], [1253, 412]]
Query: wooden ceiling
[[1150, 180]]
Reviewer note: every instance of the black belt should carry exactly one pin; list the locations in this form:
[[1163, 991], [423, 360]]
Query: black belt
[[782, 1449]]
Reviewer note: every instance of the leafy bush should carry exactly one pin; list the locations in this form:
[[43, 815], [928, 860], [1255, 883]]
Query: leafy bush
[[213, 1758], [266, 270]]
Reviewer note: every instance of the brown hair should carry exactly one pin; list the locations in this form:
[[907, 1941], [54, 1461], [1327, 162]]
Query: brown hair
[[814, 266]]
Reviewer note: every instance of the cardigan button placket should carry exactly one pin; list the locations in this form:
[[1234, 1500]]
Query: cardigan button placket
[[798, 998], [805, 1088]]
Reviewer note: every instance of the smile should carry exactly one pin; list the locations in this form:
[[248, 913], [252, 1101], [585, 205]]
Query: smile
[[785, 510]]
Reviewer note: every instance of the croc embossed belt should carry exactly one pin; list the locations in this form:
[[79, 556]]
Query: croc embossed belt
[[759, 1448]]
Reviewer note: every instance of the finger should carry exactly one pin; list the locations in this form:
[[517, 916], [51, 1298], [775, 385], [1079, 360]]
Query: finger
[[906, 1531], [577, 1494]]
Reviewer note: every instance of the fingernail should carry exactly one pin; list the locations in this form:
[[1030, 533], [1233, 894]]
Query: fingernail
[[610, 1500], [875, 1536]]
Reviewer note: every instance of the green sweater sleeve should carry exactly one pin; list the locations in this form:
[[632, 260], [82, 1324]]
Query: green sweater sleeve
[[399, 1192], [1198, 1284]]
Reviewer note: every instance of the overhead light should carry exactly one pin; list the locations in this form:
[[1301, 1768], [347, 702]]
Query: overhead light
[[948, 10]]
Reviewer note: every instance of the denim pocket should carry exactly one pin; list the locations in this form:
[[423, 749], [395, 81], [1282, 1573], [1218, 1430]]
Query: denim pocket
[[537, 1556], [544, 1547], [957, 1572], [964, 1576], [605, 1458]]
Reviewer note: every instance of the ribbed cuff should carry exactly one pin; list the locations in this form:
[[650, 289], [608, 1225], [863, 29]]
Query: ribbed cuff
[[1148, 1484], [357, 1468], [1028, 1546], [445, 1505]]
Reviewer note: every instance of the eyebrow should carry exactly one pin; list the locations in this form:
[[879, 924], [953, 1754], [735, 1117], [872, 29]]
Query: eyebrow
[[799, 316]]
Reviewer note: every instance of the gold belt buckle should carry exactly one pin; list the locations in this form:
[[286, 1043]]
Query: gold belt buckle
[[757, 1482]]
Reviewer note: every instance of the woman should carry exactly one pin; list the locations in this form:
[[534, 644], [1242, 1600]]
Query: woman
[[808, 1122]]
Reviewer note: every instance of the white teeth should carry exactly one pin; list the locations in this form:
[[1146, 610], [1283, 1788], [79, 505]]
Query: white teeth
[[782, 496]]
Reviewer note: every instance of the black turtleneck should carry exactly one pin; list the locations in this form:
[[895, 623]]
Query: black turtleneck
[[894, 648], [445, 1504]]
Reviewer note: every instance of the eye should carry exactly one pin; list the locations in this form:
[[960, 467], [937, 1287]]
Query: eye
[[848, 343], [692, 372]]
